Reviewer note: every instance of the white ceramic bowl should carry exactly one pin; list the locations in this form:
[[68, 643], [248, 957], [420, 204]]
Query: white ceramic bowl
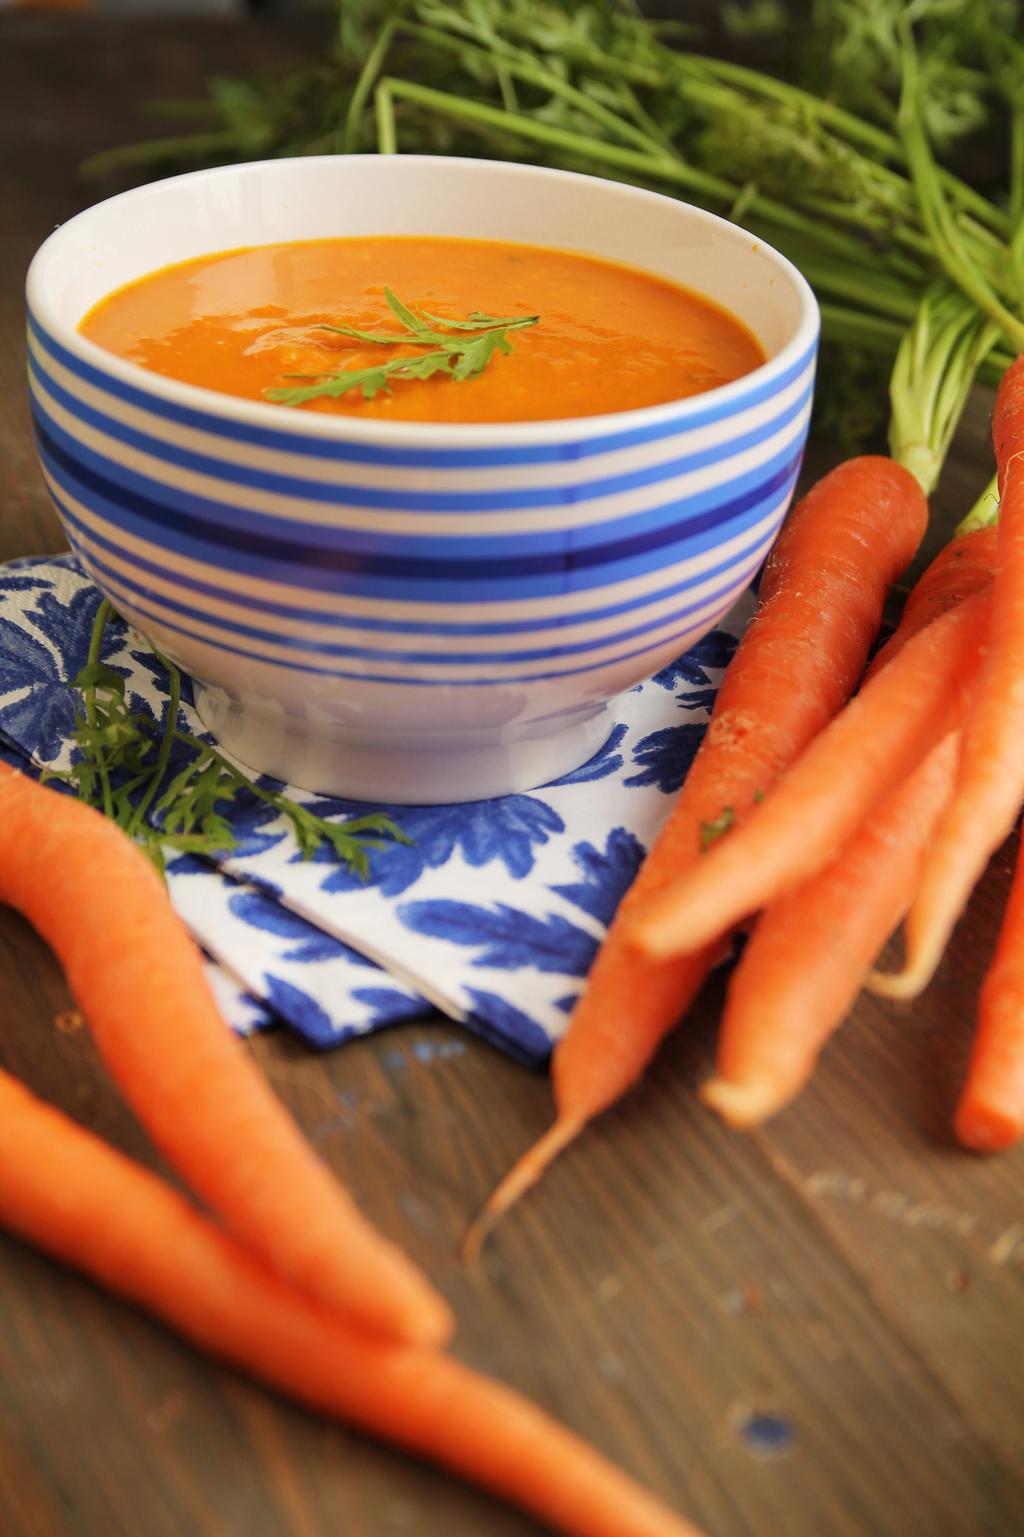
[[413, 612]]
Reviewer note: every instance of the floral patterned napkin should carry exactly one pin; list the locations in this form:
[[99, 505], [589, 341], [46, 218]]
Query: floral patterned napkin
[[492, 913]]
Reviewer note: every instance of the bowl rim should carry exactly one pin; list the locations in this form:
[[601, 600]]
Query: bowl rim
[[373, 431]]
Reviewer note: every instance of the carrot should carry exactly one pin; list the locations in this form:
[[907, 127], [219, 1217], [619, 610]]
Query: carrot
[[805, 963], [990, 784], [820, 607], [856, 761], [138, 979], [990, 1115], [82, 1202], [964, 566]]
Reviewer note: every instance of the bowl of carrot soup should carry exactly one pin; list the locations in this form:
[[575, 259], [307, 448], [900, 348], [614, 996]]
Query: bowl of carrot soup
[[413, 463]]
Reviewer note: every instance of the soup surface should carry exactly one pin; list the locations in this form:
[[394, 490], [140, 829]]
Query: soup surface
[[608, 337]]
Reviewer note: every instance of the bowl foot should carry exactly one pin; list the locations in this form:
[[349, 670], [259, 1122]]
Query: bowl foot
[[422, 769]]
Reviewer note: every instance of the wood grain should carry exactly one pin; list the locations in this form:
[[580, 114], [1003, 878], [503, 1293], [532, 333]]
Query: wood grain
[[847, 1275]]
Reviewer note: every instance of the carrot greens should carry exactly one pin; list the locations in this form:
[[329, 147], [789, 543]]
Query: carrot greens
[[170, 789]]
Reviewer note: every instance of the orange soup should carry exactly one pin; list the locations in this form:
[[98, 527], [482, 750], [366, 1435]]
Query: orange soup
[[248, 322]]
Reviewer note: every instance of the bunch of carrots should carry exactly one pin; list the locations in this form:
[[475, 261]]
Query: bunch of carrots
[[896, 806], [816, 818], [841, 815]]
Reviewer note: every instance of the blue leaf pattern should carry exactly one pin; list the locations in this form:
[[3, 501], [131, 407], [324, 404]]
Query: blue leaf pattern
[[664, 757], [25, 584], [606, 876], [149, 664], [298, 1009], [506, 937], [506, 831], [604, 762], [388, 1006], [697, 699], [501, 1023], [261, 911], [186, 864], [43, 719], [712, 654]]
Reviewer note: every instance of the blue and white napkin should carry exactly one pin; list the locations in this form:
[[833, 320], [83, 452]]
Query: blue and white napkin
[[492, 913]]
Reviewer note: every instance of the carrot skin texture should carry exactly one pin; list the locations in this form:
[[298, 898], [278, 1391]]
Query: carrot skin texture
[[855, 762], [990, 1115], [70, 1194], [964, 566], [137, 977], [806, 960], [990, 786]]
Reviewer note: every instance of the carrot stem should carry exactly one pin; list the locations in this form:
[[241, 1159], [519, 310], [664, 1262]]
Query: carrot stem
[[103, 613], [985, 511], [163, 753]]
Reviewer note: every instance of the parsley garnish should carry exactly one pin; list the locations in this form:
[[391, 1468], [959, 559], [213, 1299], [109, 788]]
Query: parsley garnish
[[461, 350], [123, 758]]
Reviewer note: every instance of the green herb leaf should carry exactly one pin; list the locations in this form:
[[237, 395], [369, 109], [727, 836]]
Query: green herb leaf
[[121, 762], [461, 350], [97, 675], [710, 832]]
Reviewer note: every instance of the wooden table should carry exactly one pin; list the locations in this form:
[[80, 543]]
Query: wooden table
[[847, 1273]]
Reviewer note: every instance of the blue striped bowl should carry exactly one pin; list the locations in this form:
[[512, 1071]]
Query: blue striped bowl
[[413, 612]]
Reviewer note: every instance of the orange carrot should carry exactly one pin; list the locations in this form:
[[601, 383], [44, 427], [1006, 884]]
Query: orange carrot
[[66, 1191], [806, 961], [820, 607], [990, 1115], [138, 979], [990, 784], [856, 761], [964, 566]]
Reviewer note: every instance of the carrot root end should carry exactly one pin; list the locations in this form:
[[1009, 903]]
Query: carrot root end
[[520, 1178], [904, 985], [740, 1105], [986, 1128]]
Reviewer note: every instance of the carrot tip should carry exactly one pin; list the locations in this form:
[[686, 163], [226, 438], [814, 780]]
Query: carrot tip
[[985, 1128], [905, 984], [741, 1105], [519, 1179]]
